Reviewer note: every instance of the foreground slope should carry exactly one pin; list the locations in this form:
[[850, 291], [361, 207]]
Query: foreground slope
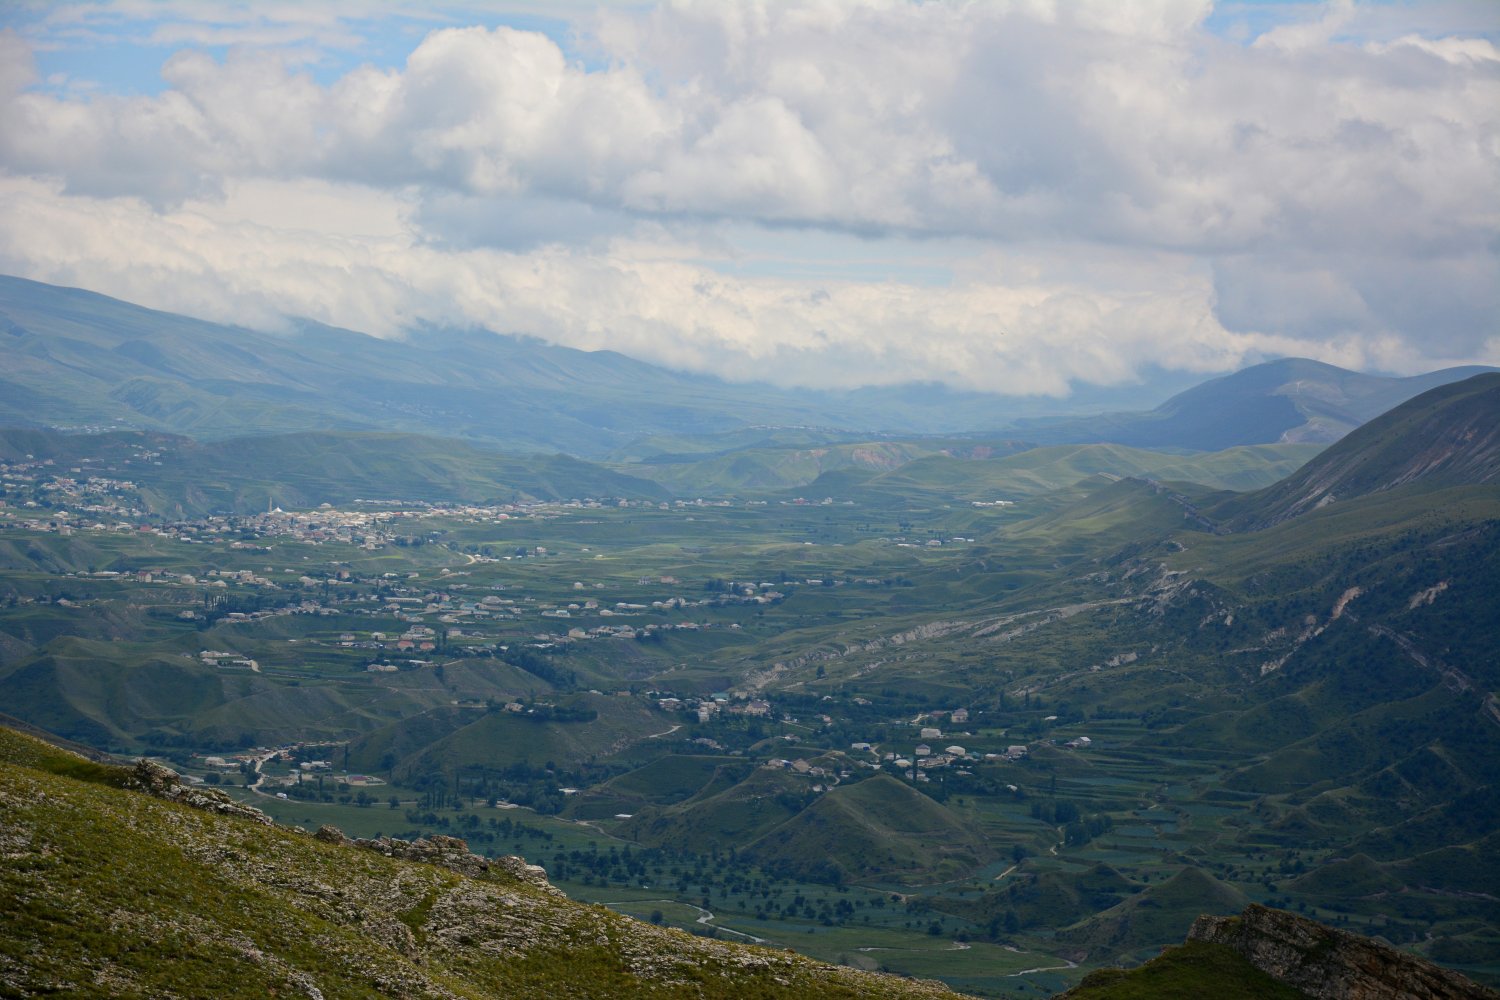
[[109, 892]]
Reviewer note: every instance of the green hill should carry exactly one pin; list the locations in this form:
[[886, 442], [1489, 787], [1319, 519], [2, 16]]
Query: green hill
[[663, 782], [475, 740], [1158, 913], [1049, 899], [879, 826], [719, 818], [110, 892]]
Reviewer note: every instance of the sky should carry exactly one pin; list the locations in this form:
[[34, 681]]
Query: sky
[[1015, 196]]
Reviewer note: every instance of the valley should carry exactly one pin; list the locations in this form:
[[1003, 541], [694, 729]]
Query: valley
[[995, 720]]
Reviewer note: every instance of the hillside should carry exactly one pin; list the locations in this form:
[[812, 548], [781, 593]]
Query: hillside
[[1286, 401], [1157, 913], [110, 892], [879, 826], [1448, 436]]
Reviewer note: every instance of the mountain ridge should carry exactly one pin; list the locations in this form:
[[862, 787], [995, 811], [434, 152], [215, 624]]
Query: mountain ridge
[[1447, 436], [1289, 400], [81, 359]]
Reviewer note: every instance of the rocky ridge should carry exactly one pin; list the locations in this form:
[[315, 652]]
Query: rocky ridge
[[1330, 964], [105, 891]]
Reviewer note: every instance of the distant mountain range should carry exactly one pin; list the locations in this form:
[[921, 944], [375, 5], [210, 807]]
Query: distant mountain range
[[1286, 401], [78, 360]]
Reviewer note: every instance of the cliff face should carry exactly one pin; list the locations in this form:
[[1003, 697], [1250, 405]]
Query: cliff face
[[1331, 964]]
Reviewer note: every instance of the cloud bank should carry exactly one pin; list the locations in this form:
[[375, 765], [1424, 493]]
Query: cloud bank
[[1009, 196]]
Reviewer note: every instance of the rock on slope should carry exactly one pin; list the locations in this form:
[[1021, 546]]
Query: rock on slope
[[1331, 964], [1266, 954], [105, 891]]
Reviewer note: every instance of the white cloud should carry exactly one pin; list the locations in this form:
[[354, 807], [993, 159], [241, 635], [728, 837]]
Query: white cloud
[[1311, 191], [1065, 318]]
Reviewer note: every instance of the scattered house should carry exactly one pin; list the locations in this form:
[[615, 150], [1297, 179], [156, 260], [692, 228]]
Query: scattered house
[[930, 733], [956, 751], [861, 746], [801, 766], [960, 715], [1016, 751], [923, 750], [758, 707], [1081, 743]]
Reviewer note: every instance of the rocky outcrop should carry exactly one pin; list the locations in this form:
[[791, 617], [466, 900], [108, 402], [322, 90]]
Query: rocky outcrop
[[447, 852], [163, 783], [1331, 964]]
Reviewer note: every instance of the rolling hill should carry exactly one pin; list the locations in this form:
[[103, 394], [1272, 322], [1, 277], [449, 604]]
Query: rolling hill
[[879, 826]]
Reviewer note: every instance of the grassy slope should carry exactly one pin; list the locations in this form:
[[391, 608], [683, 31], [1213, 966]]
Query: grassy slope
[[1159, 913], [878, 825], [111, 893], [1188, 972]]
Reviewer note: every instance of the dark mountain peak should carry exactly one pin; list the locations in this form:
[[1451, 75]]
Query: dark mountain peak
[[1448, 436]]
